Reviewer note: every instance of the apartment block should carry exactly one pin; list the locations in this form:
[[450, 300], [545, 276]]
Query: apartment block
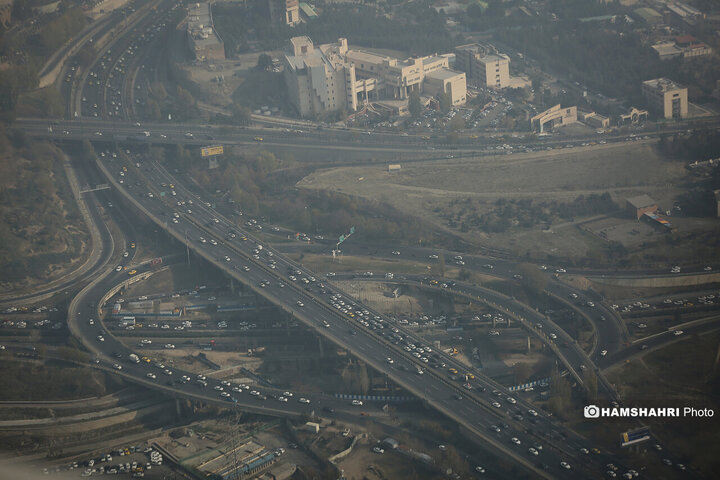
[[666, 97]]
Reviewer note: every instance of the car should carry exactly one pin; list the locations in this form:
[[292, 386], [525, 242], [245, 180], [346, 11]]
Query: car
[[132, 272], [151, 375], [667, 462], [390, 360], [169, 346], [357, 403], [100, 338], [707, 269], [584, 450], [532, 412], [515, 440], [677, 333], [117, 366], [282, 399], [511, 400], [565, 465], [378, 450], [532, 451], [560, 270], [479, 469], [288, 394], [603, 353], [303, 400], [118, 268], [395, 252]]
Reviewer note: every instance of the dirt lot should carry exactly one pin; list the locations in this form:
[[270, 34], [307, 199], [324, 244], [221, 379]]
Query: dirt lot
[[623, 170]]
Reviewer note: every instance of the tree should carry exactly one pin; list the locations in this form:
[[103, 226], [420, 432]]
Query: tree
[[240, 115], [264, 62], [414, 104]]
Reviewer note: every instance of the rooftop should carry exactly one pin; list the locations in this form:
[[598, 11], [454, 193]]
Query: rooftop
[[444, 74], [641, 201], [662, 84]]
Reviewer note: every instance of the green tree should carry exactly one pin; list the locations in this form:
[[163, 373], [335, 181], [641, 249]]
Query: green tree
[[264, 62], [240, 115], [414, 104]]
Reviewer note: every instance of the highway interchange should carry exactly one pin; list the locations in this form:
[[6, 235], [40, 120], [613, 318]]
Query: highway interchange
[[106, 113]]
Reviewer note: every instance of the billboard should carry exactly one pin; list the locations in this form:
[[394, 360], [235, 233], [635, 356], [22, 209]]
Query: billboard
[[212, 151]]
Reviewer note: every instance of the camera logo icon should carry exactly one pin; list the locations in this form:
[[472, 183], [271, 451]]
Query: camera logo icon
[[591, 411]]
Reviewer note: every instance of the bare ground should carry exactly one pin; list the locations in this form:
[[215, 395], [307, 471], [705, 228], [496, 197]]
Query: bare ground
[[623, 170]]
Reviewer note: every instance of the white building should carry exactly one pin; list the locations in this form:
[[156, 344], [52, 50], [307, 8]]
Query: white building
[[332, 77]]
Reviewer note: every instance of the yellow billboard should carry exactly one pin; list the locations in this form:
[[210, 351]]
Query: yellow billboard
[[210, 151]]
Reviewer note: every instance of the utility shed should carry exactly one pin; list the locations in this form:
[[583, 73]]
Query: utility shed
[[637, 206]]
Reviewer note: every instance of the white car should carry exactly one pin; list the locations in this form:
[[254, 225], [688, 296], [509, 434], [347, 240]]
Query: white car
[[515, 440], [169, 346], [603, 353], [118, 268], [532, 451], [565, 465], [303, 400], [151, 375], [677, 333], [357, 403], [390, 361]]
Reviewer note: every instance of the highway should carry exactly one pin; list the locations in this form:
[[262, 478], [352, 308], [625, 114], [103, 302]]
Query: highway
[[267, 273], [103, 118]]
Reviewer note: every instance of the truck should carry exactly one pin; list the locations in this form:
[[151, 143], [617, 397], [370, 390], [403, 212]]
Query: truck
[[134, 358]]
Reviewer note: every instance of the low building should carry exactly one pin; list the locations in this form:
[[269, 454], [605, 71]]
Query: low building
[[594, 120], [692, 47], [633, 116], [203, 40], [666, 97], [648, 15], [685, 46], [640, 205], [556, 116]]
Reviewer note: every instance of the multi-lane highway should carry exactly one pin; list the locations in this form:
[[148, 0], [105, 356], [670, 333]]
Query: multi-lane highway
[[168, 203]]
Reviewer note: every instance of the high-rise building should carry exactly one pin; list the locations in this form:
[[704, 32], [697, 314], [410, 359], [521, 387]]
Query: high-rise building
[[484, 64], [666, 97]]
